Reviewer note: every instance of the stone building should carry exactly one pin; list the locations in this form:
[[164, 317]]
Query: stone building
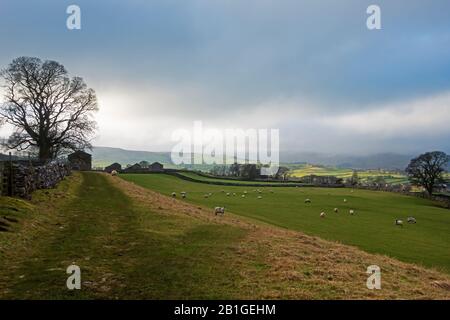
[[115, 166], [156, 167], [135, 168], [80, 160]]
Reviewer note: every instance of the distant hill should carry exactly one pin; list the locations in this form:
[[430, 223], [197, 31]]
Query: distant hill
[[104, 156], [391, 161]]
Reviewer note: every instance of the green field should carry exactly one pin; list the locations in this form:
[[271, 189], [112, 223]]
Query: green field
[[371, 228], [344, 173]]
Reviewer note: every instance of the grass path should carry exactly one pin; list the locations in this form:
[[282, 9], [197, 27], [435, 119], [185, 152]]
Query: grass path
[[135, 243], [119, 247]]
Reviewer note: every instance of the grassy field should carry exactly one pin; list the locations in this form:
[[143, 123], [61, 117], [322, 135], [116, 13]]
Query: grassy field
[[371, 228], [117, 243], [133, 243], [307, 169]]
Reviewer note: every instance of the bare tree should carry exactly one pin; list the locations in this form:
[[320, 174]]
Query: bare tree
[[427, 169], [51, 113]]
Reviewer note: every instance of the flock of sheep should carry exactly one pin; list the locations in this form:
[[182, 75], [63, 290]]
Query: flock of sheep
[[221, 210], [398, 222]]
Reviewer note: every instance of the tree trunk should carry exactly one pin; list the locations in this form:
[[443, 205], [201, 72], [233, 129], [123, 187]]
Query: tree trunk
[[44, 152]]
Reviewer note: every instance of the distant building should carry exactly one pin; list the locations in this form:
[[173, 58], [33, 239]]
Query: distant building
[[321, 180], [134, 168], [115, 166], [80, 160], [156, 167]]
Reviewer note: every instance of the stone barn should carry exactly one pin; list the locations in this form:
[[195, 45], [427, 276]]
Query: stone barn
[[115, 166], [80, 160], [135, 168], [156, 167]]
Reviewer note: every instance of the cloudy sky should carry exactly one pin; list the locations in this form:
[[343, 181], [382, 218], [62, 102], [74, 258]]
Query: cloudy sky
[[312, 69]]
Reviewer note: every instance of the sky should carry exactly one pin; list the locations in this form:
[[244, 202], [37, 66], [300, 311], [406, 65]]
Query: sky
[[311, 69]]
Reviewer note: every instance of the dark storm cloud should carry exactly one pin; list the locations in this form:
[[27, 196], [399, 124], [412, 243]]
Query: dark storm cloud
[[272, 60]]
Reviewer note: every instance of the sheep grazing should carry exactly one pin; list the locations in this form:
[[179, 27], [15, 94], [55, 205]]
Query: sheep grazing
[[183, 195], [210, 194], [243, 196], [259, 197], [399, 222], [174, 194], [234, 194], [228, 194], [219, 210], [411, 220], [245, 192], [352, 212], [307, 200], [345, 200], [206, 196], [336, 210], [114, 173], [322, 214]]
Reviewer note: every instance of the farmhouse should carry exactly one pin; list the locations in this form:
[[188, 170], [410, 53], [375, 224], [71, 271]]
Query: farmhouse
[[134, 168], [115, 166], [156, 167], [80, 160]]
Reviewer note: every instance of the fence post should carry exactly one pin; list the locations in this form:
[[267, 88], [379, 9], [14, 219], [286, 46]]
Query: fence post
[[10, 178]]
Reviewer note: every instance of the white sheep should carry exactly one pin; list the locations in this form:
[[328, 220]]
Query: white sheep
[[307, 200], [206, 196], [352, 212], [114, 173], [228, 194], [243, 196], [322, 214], [345, 200], [259, 197], [399, 222], [336, 210], [174, 194], [411, 220], [219, 210]]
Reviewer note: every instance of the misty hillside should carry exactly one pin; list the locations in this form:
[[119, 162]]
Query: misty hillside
[[103, 156], [391, 161]]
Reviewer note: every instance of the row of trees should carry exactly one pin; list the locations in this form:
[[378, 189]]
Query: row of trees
[[247, 171]]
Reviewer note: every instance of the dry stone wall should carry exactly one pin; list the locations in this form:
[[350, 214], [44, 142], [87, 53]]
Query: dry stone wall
[[20, 179]]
